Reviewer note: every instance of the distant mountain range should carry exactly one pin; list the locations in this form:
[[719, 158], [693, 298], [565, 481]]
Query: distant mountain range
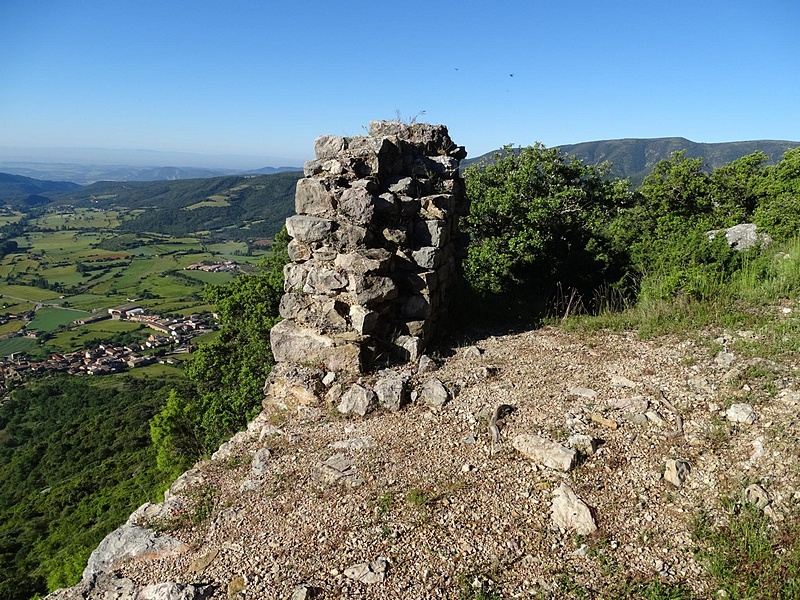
[[35, 183], [29, 191], [635, 158], [84, 174]]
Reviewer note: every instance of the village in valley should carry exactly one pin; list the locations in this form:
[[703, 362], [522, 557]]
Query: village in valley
[[169, 337]]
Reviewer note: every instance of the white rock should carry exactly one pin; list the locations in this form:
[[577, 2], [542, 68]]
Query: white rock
[[620, 381], [357, 399], [550, 454], [361, 443], [741, 413], [583, 392], [583, 443], [572, 513], [724, 359], [756, 495], [434, 394], [676, 472], [374, 572]]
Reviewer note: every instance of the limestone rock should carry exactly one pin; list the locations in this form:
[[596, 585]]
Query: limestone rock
[[374, 572], [173, 591], [358, 400], [583, 392], [583, 443], [130, 541], [572, 513], [390, 390], [756, 495], [741, 413], [312, 197], [308, 229], [676, 472], [742, 236], [434, 394], [337, 468], [261, 459], [547, 453]]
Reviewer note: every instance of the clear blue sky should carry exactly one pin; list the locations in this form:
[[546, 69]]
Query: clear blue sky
[[265, 78]]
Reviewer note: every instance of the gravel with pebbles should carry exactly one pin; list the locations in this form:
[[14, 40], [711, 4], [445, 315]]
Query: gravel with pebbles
[[427, 492]]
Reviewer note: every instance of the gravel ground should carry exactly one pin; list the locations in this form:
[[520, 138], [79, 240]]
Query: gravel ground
[[440, 510]]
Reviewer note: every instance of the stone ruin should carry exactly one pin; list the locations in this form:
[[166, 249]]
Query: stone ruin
[[373, 250]]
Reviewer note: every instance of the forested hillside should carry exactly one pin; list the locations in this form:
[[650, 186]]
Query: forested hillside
[[634, 159], [233, 207]]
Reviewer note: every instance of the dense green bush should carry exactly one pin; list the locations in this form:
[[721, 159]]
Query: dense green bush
[[227, 374], [537, 219], [542, 224]]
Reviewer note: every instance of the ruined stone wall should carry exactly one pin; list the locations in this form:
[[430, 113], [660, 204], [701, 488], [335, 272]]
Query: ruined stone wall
[[372, 250]]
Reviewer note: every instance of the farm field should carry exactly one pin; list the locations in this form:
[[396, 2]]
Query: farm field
[[73, 262], [50, 319], [11, 327], [26, 292], [17, 344]]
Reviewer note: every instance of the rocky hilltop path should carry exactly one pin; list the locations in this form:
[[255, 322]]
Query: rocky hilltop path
[[556, 461]]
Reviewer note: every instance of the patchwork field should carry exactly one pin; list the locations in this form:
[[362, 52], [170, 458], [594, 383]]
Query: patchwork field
[[50, 319], [72, 262]]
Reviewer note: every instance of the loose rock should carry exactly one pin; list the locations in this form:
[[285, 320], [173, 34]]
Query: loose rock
[[572, 513]]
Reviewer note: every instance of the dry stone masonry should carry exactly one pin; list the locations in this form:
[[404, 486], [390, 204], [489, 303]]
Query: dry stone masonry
[[373, 249]]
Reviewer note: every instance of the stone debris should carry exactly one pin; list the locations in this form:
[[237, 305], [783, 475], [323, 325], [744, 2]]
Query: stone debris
[[585, 444], [724, 359], [358, 400], [338, 468], [623, 382], [571, 513], [583, 392], [260, 464], [302, 592], [361, 443], [236, 586], [655, 418], [390, 390], [173, 591], [130, 541], [741, 413], [547, 453], [374, 572], [473, 353], [756, 495], [199, 565], [636, 404], [434, 394], [603, 421], [676, 471]]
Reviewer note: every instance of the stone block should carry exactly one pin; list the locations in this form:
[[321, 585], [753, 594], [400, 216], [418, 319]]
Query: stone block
[[324, 281], [427, 257], [298, 251], [363, 261], [371, 290], [357, 204], [439, 206], [312, 197], [417, 306], [363, 320], [308, 229], [294, 277], [430, 233], [292, 343], [329, 146]]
